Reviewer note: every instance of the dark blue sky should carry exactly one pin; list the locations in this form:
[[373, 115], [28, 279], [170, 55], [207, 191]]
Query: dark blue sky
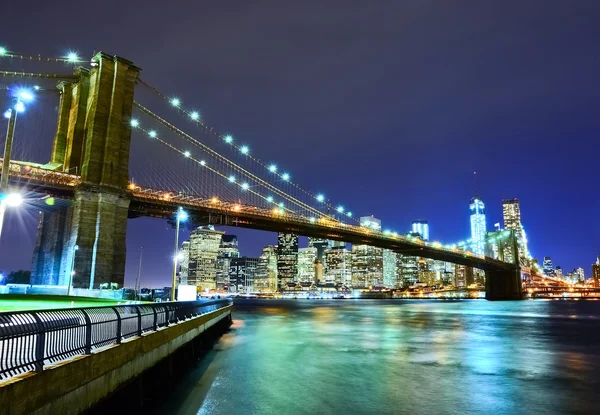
[[388, 107]]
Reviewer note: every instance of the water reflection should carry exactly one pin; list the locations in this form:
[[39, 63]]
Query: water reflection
[[351, 356]]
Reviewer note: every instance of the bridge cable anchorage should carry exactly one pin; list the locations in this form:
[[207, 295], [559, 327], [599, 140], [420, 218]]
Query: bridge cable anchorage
[[232, 164], [211, 130], [37, 75], [206, 166]]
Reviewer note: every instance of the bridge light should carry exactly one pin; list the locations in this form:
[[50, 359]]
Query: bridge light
[[275, 211], [340, 209], [272, 168], [175, 102], [203, 163], [20, 107], [349, 214], [245, 186], [134, 123], [214, 200], [270, 199], [281, 205], [394, 234], [237, 208], [386, 232], [320, 198], [152, 133], [228, 139], [244, 149], [187, 153], [281, 212], [312, 220], [36, 87], [7, 113], [3, 51], [194, 115], [231, 179], [72, 57], [285, 176]]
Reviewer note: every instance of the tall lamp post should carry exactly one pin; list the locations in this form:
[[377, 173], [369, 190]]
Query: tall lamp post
[[22, 96], [72, 271], [181, 216]]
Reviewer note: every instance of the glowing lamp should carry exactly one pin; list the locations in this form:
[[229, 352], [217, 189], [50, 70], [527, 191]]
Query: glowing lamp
[[320, 198], [228, 139], [13, 199], [152, 133], [231, 179], [244, 149], [187, 153], [175, 102], [194, 115], [72, 57], [134, 123], [285, 176], [182, 215], [245, 186], [20, 107]]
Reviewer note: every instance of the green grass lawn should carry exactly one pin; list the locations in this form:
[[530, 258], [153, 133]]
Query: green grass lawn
[[19, 302]]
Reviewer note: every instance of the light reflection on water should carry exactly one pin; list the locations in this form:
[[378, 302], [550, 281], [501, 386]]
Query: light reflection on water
[[369, 356]]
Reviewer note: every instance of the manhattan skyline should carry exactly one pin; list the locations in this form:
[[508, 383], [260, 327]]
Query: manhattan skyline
[[393, 126]]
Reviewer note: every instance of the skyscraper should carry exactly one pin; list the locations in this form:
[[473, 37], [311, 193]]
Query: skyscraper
[[338, 268], [265, 279], [422, 228], [321, 245], [596, 272], [367, 266], [511, 214], [287, 258], [547, 266], [241, 274], [228, 249], [306, 264], [184, 264], [478, 226], [390, 273], [408, 270], [204, 249]]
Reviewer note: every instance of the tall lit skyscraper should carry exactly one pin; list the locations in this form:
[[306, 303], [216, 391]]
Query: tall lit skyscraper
[[287, 258], [306, 264], [228, 249], [478, 226], [408, 269], [390, 273], [321, 244], [511, 214], [241, 274], [338, 268], [547, 266], [367, 266], [422, 228], [184, 264], [265, 279], [204, 249], [596, 272]]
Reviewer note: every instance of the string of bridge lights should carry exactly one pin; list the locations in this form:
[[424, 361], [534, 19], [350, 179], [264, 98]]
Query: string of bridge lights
[[281, 208], [194, 116], [71, 57], [233, 165]]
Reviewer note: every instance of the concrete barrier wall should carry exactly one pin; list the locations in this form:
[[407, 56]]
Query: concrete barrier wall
[[75, 385]]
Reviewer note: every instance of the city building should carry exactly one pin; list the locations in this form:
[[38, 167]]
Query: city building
[[241, 275], [464, 276], [370, 222], [408, 270], [422, 228], [511, 214], [596, 272], [478, 226], [287, 258], [558, 271], [367, 266], [203, 252], [184, 263], [321, 245], [265, 279], [306, 264], [228, 249], [547, 266], [338, 266], [390, 272]]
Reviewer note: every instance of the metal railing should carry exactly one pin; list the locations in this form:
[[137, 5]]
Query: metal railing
[[31, 339]]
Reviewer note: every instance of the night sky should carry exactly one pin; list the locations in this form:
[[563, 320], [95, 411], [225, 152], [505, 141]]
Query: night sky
[[388, 107]]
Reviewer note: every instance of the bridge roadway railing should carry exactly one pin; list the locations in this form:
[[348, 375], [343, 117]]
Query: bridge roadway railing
[[29, 340]]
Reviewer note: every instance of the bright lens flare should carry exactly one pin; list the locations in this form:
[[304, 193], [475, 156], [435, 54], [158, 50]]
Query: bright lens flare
[[228, 139], [320, 198], [272, 168], [134, 122], [72, 57], [231, 179], [285, 176], [244, 149], [13, 199], [3, 51], [20, 107], [187, 153], [194, 115], [152, 133], [175, 102]]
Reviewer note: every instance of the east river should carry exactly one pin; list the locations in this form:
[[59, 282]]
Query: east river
[[399, 356]]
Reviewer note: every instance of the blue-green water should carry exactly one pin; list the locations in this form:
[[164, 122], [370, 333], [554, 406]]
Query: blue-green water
[[390, 357]]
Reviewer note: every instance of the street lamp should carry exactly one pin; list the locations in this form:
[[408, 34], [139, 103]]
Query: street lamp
[[72, 271], [181, 216], [21, 96]]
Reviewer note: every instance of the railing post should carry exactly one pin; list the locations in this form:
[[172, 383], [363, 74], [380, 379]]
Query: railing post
[[40, 342], [166, 316], [139, 325], [88, 332], [118, 325], [155, 323]]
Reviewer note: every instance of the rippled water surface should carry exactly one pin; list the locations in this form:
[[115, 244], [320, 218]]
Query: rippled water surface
[[387, 357]]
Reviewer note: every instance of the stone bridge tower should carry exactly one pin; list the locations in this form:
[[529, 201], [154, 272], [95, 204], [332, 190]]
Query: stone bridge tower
[[92, 140]]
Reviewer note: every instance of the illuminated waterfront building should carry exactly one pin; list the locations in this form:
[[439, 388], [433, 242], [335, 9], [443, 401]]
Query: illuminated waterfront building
[[390, 272], [241, 275], [265, 279], [408, 270], [478, 226], [547, 266], [287, 258], [596, 272], [464, 276], [422, 228], [338, 266], [228, 249], [321, 245], [511, 214], [184, 263], [306, 264], [203, 252], [558, 271], [367, 266]]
